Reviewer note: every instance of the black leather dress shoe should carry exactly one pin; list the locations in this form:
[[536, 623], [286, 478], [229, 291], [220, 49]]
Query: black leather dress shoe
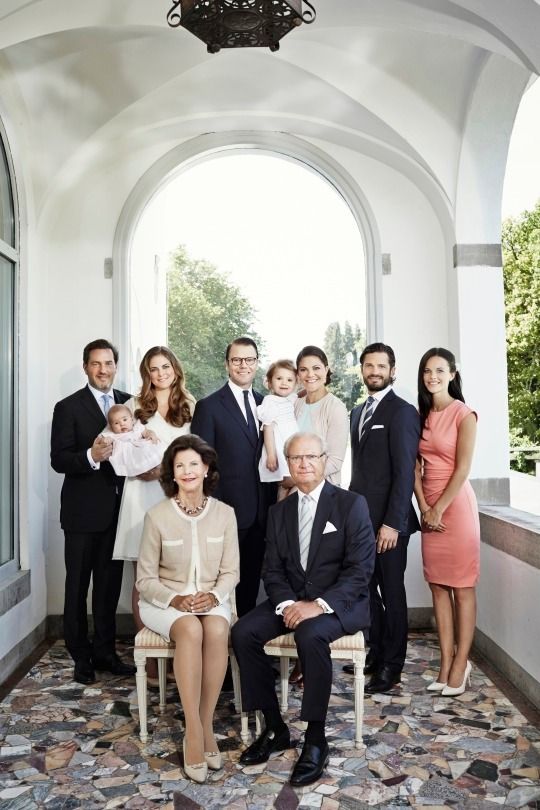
[[311, 764], [268, 743], [84, 672], [370, 667], [114, 665], [383, 681]]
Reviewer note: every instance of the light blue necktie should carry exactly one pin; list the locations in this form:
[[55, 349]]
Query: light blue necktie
[[305, 527], [106, 404]]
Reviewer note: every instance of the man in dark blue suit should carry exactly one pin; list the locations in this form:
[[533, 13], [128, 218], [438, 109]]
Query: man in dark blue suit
[[319, 560], [385, 432], [227, 420], [90, 501]]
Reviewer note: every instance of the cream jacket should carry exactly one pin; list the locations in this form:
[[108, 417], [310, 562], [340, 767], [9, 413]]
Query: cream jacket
[[331, 423], [166, 548]]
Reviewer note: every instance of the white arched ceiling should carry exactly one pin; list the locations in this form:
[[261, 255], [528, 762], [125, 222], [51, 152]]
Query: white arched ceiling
[[394, 80]]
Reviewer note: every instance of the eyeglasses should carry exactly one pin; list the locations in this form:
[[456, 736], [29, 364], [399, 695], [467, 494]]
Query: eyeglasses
[[311, 458], [237, 361]]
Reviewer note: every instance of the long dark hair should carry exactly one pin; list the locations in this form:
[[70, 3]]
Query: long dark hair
[[181, 402], [425, 399]]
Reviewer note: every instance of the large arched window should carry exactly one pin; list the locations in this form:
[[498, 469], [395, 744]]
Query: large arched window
[[8, 293]]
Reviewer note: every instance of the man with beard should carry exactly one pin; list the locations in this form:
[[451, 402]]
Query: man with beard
[[385, 432]]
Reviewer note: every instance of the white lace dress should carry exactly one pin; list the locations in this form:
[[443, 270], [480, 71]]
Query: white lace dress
[[140, 495]]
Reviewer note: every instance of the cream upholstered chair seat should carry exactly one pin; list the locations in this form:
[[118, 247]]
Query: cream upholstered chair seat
[[151, 645], [347, 648]]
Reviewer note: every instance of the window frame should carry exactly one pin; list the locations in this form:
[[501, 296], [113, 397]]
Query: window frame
[[11, 568]]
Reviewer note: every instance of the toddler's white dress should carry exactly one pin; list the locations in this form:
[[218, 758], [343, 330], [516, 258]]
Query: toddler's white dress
[[279, 412]]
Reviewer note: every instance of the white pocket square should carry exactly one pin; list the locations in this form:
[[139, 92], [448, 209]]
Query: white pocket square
[[377, 427], [329, 528]]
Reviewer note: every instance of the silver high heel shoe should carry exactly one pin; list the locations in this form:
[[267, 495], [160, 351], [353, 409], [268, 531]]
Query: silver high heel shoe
[[213, 760], [450, 691], [436, 686], [198, 772]]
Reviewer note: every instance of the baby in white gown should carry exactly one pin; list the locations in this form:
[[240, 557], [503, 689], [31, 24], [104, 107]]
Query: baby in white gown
[[135, 448], [276, 412]]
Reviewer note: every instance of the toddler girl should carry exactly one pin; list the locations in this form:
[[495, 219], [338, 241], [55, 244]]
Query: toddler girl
[[276, 412], [135, 448]]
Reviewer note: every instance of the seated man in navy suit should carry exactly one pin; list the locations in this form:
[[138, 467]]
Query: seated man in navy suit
[[318, 564]]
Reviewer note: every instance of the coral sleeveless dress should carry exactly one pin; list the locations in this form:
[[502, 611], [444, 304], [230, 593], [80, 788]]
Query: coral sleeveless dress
[[451, 557]]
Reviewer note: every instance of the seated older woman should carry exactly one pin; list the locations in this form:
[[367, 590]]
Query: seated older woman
[[188, 567]]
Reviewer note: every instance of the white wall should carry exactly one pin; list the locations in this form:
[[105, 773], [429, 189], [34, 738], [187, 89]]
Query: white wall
[[509, 607]]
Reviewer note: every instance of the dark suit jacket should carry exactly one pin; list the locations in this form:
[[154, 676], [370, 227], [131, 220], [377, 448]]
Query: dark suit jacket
[[383, 462], [340, 562], [219, 421], [89, 497]]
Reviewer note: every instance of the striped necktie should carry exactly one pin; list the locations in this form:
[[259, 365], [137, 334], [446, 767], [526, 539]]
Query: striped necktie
[[367, 414], [304, 529]]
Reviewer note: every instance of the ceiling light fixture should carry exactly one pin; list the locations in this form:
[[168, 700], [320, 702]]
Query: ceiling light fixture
[[240, 23]]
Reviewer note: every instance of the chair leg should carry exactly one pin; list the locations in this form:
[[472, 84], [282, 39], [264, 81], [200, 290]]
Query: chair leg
[[162, 677], [359, 681], [235, 672], [245, 736], [258, 722], [140, 680], [284, 673]]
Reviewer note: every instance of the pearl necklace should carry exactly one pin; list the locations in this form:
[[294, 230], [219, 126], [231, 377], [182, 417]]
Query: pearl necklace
[[195, 510]]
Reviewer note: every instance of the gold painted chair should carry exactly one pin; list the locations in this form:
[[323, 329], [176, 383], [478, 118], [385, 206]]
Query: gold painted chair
[[346, 648]]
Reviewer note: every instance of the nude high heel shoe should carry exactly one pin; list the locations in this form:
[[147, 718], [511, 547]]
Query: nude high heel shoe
[[436, 686], [450, 691], [198, 772], [213, 760]]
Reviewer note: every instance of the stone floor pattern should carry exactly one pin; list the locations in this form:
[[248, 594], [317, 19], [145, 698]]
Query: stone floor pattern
[[66, 746]]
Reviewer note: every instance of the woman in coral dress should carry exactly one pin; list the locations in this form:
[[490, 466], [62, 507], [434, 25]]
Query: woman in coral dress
[[450, 523]]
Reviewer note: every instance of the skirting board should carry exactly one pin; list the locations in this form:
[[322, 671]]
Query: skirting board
[[509, 669], [22, 650]]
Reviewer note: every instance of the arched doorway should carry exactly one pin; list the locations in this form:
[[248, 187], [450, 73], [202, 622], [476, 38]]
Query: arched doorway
[[132, 307]]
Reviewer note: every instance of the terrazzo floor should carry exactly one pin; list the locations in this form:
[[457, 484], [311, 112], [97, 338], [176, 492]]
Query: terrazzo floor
[[64, 746]]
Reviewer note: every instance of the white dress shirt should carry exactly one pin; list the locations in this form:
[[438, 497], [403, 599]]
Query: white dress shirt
[[239, 397]]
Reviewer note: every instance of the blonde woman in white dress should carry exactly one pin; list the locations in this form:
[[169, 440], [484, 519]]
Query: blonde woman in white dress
[[165, 406], [189, 564]]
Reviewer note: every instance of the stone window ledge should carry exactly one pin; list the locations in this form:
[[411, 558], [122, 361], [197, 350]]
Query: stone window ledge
[[514, 532], [14, 590]]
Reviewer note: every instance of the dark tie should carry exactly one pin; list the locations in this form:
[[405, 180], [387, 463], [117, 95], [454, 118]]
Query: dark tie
[[368, 413], [250, 418]]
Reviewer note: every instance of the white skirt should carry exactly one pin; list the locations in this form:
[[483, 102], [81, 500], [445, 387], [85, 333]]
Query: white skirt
[[160, 620]]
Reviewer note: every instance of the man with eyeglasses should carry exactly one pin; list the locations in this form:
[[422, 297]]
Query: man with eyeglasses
[[227, 420], [318, 565]]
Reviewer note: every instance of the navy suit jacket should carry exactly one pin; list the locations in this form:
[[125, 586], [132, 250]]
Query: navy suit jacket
[[89, 497], [340, 561], [219, 420], [383, 462]]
